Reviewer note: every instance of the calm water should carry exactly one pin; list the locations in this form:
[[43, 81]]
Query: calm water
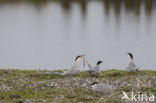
[[48, 35]]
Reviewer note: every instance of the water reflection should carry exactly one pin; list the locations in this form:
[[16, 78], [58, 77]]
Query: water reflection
[[132, 6], [66, 5], [149, 7], [37, 33], [83, 6]]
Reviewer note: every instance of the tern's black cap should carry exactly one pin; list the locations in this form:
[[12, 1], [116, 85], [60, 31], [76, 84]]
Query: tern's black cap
[[130, 54], [99, 62], [77, 57], [94, 83]]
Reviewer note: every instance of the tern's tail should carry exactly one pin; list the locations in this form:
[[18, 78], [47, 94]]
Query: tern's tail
[[138, 68]]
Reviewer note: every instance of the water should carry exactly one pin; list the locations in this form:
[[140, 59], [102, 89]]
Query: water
[[50, 34]]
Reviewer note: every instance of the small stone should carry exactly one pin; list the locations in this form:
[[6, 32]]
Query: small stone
[[14, 96], [1, 97]]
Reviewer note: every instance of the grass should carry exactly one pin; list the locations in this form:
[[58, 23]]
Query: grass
[[45, 86]]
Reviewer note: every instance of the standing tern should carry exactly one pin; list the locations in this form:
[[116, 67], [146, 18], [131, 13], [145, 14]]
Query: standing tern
[[132, 66], [76, 67], [101, 88], [95, 71]]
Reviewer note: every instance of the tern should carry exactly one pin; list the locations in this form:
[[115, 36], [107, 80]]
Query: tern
[[95, 70], [76, 67], [132, 66], [101, 88]]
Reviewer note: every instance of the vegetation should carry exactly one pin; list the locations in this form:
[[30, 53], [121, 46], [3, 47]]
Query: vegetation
[[42, 86]]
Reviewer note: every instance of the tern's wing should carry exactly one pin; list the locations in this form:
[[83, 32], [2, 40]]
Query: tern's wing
[[89, 66], [132, 64], [72, 71], [73, 67], [104, 88], [96, 69]]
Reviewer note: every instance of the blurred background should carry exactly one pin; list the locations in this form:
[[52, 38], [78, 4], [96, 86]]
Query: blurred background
[[49, 34]]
